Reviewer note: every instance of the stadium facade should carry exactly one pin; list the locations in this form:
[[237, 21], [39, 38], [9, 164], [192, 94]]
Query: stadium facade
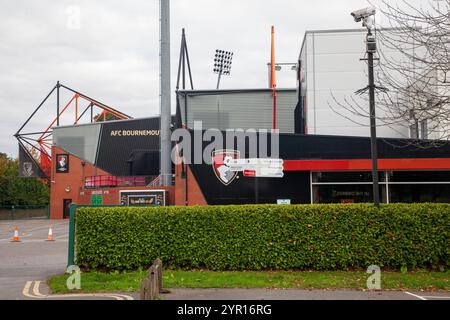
[[326, 159]]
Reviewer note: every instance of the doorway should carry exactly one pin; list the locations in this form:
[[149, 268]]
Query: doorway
[[66, 208]]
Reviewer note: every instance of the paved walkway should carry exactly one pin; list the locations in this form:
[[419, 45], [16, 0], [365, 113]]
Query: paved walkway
[[295, 294]]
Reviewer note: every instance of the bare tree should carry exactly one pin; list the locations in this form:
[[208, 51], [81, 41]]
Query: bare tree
[[413, 71]]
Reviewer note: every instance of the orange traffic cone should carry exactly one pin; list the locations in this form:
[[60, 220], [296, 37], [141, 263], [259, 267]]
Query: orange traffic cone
[[15, 237], [50, 235]]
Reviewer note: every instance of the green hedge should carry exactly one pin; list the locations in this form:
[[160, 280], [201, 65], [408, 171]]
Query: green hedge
[[255, 237]]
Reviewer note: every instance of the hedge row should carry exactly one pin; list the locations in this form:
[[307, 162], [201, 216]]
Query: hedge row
[[255, 237]]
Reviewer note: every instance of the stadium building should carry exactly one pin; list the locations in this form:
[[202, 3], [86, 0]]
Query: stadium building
[[325, 159]]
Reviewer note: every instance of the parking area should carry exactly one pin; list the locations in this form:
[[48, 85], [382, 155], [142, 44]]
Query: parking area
[[25, 265], [33, 258], [34, 230]]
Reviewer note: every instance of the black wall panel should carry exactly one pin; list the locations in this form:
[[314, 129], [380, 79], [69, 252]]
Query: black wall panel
[[120, 142], [340, 147], [296, 185]]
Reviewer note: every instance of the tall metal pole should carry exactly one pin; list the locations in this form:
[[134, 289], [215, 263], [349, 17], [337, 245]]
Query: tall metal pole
[[373, 128], [165, 109], [218, 79], [273, 82], [57, 103]]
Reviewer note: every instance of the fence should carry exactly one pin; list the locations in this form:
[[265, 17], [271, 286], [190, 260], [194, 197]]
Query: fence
[[112, 181], [24, 212]]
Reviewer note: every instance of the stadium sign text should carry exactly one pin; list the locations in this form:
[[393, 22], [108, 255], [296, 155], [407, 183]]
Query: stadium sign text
[[134, 133]]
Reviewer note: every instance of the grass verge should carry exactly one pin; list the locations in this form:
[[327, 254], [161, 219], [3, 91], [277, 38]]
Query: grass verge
[[130, 281]]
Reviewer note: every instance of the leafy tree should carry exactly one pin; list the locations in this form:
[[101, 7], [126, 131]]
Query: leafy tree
[[20, 191]]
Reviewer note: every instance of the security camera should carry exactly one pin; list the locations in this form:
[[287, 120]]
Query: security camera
[[358, 15]]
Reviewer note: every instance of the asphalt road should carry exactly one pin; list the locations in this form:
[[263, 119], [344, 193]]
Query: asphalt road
[[33, 258], [26, 265]]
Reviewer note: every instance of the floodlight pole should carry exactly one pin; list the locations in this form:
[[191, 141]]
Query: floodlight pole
[[373, 126], [222, 64], [218, 79], [165, 109]]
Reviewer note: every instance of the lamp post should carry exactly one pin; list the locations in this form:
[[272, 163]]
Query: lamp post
[[371, 48], [222, 64], [366, 15]]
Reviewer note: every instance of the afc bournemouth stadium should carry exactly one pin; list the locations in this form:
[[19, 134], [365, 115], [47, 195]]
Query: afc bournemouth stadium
[[106, 157]]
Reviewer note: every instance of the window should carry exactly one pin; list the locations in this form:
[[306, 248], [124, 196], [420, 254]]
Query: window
[[413, 131], [345, 187], [395, 186], [423, 129]]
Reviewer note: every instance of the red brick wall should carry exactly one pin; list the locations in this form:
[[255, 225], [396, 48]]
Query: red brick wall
[[110, 196], [195, 195], [71, 185], [68, 185]]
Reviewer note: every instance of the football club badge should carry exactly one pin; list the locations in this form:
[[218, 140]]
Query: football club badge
[[220, 168]]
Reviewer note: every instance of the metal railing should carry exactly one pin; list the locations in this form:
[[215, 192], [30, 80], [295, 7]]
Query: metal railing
[[113, 181], [24, 212], [158, 180]]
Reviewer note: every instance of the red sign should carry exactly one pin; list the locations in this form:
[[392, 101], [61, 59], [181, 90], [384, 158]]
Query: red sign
[[249, 173]]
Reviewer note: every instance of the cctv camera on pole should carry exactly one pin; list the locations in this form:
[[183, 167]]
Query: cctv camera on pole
[[367, 16], [361, 14]]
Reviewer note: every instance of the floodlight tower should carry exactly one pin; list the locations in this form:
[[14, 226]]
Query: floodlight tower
[[222, 64], [165, 109]]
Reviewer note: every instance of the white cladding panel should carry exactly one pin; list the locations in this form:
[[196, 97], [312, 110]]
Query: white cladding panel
[[81, 141], [333, 73]]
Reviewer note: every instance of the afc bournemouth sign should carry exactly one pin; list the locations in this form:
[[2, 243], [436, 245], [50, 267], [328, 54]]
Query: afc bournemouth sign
[[134, 133], [62, 163], [227, 164]]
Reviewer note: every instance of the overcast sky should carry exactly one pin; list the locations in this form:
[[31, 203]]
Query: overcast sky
[[112, 55]]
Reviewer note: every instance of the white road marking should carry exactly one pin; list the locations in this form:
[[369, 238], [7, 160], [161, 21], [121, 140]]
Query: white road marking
[[38, 295], [41, 227], [21, 236], [35, 240], [57, 227], [415, 295], [60, 231], [436, 297], [61, 237]]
